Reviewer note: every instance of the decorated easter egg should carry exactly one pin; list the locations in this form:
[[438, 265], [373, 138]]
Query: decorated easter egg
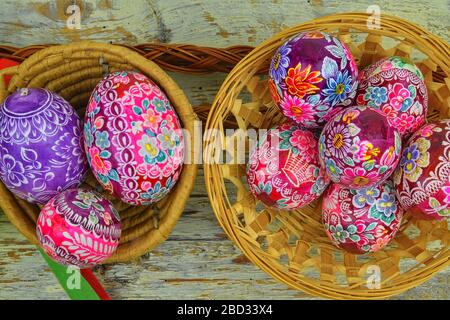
[[79, 227], [283, 170], [312, 76], [359, 148], [423, 177], [362, 220], [41, 145], [397, 88], [133, 138]]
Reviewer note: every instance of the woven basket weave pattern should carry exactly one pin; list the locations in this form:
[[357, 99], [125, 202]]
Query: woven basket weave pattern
[[73, 71], [293, 247]]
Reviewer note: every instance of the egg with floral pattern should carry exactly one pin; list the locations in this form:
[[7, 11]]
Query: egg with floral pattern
[[363, 220], [133, 138], [396, 87], [313, 75], [79, 227], [359, 148], [41, 152], [423, 177], [283, 170]]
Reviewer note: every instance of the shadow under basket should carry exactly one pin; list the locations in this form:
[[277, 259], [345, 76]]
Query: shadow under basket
[[293, 247], [73, 71]]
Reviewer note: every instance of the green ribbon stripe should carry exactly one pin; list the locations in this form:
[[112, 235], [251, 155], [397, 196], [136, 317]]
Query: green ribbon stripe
[[71, 279]]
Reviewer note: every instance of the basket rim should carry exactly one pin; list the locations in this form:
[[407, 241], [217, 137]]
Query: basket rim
[[411, 32], [40, 59]]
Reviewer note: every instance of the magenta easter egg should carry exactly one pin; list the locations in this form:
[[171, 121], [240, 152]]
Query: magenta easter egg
[[283, 170], [422, 178], [79, 227], [312, 76], [359, 148], [133, 138], [363, 220], [395, 87], [41, 151]]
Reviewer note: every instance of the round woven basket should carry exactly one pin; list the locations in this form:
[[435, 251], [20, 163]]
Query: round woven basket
[[73, 71], [293, 247]]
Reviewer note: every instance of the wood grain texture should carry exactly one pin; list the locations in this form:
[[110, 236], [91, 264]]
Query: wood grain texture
[[197, 261], [202, 22]]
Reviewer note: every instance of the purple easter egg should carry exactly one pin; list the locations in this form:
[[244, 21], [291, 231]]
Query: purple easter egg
[[41, 146], [313, 76], [359, 148]]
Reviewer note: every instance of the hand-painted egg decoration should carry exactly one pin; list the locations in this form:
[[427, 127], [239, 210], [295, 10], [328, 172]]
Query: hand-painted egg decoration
[[41, 145], [359, 148], [363, 220], [423, 177], [312, 76], [133, 138], [397, 88], [79, 227], [284, 171]]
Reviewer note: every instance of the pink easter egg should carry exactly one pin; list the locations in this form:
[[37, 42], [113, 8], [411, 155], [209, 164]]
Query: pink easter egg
[[79, 227], [363, 220], [283, 170], [359, 148], [133, 138], [423, 177], [395, 87]]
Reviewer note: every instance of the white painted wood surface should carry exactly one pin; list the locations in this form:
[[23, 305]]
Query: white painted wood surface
[[197, 261], [202, 22]]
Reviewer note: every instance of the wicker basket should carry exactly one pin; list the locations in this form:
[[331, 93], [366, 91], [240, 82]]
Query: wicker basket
[[293, 248], [73, 71]]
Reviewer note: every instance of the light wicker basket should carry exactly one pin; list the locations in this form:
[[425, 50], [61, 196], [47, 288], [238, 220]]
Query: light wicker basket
[[293, 247], [73, 71]]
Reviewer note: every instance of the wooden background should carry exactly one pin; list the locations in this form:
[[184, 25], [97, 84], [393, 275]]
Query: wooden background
[[197, 261]]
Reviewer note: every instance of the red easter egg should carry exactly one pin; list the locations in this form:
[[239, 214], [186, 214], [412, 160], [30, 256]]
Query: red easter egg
[[397, 88], [423, 177], [363, 220], [284, 171]]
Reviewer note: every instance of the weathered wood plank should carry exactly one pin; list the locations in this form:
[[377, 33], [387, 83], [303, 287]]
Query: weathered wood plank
[[197, 261], [213, 22], [198, 269]]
